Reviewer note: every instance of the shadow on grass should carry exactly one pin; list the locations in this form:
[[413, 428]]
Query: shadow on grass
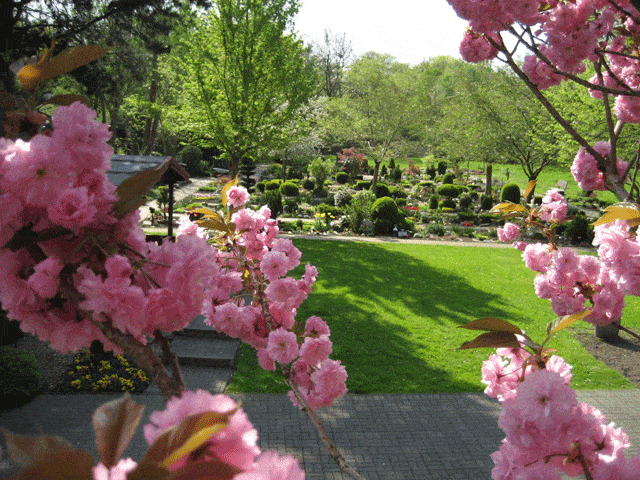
[[361, 286]]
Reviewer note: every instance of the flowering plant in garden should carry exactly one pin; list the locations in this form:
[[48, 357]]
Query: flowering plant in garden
[[76, 268], [547, 431]]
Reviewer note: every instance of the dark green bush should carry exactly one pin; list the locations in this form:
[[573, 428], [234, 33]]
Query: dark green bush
[[383, 171], [510, 193], [272, 185], [435, 229], [448, 190], [442, 168], [448, 179], [398, 192], [289, 189], [488, 218], [308, 184], [486, 202], [385, 216], [19, 373], [401, 202], [447, 203], [397, 174], [191, 156], [9, 329], [466, 217], [579, 230], [274, 202], [433, 202], [431, 171], [261, 186], [382, 190], [362, 185], [465, 201], [342, 177]]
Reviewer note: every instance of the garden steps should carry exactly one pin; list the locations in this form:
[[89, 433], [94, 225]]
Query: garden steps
[[206, 357]]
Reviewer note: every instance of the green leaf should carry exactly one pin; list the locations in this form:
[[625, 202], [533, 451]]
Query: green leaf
[[490, 324], [67, 99], [114, 424], [563, 322], [492, 340], [132, 190]]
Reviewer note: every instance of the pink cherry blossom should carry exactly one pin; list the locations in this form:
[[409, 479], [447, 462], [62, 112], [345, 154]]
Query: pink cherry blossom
[[271, 466], [118, 472], [316, 350], [45, 279], [509, 232], [282, 346], [237, 196]]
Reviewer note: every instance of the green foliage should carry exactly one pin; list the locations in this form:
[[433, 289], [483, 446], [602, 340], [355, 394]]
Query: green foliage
[[510, 193], [385, 216], [360, 209], [272, 185], [442, 168], [261, 186], [289, 189], [401, 202], [191, 156], [466, 217], [448, 190], [431, 171], [579, 230], [362, 185], [342, 177], [247, 172], [325, 208], [273, 199], [342, 198], [397, 174], [447, 203], [19, 372], [486, 202], [448, 178], [308, 184], [383, 171], [433, 202], [382, 190], [320, 170], [105, 372], [465, 201], [435, 229]]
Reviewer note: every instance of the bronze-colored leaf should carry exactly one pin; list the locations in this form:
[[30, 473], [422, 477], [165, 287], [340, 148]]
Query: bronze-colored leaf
[[530, 187], [613, 213], [209, 470], [563, 322], [492, 325], [67, 99], [175, 437], [492, 340], [192, 444], [114, 424], [207, 212], [30, 76], [213, 225], [132, 190], [69, 465], [508, 207], [225, 189], [26, 450], [147, 471]]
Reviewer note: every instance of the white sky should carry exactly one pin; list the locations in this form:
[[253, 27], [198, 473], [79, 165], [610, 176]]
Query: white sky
[[410, 30]]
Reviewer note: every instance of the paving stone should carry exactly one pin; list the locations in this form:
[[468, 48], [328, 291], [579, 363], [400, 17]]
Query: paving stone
[[212, 379]]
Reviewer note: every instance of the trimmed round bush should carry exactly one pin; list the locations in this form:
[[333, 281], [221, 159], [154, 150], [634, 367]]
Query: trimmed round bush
[[486, 202], [274, 202], [385, 216], [401, 202], [191, 156], [342, 178], [362, 185], [272, 185], [442, 168], [308, 184], [382, 190], [433, 202], [510, 193], [579, 230], [447, 203], [19, 373], [448, 190], [260, 186], [289, 189], [448, 179]]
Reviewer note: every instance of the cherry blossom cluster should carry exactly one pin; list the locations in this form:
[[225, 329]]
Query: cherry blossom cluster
[[232, 449], [69, 264], [561, 37], [265, 315], [586, 171], [548, 432]]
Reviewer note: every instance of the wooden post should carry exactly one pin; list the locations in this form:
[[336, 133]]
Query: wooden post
[[170, 227]]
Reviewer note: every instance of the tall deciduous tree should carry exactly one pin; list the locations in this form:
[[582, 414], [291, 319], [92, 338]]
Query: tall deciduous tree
[[332, 57], [377, 109], [245, 75]]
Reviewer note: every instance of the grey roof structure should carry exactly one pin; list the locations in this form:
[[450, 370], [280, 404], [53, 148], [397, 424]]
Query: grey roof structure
[[123, 166]]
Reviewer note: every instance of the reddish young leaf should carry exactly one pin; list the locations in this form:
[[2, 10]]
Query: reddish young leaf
[[114, 424], [209, 470], [67, 465], [147, 471], [563, 322], [26, 450], [492, 325], [132, 190], [492, 340]]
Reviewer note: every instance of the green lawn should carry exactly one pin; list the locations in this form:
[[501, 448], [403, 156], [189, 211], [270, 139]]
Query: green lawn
[[394, 309]]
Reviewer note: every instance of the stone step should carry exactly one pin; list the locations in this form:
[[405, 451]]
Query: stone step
[[197, 328], [207, 352], [212, 379]]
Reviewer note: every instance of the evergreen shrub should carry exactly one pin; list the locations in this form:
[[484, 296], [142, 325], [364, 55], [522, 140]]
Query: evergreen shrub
[[447, 203], [342, 178], [19, 373], [433, 202], [289, 189], [510, 193], [362, 185], [448, 178], [308, 184], [448, 190]]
